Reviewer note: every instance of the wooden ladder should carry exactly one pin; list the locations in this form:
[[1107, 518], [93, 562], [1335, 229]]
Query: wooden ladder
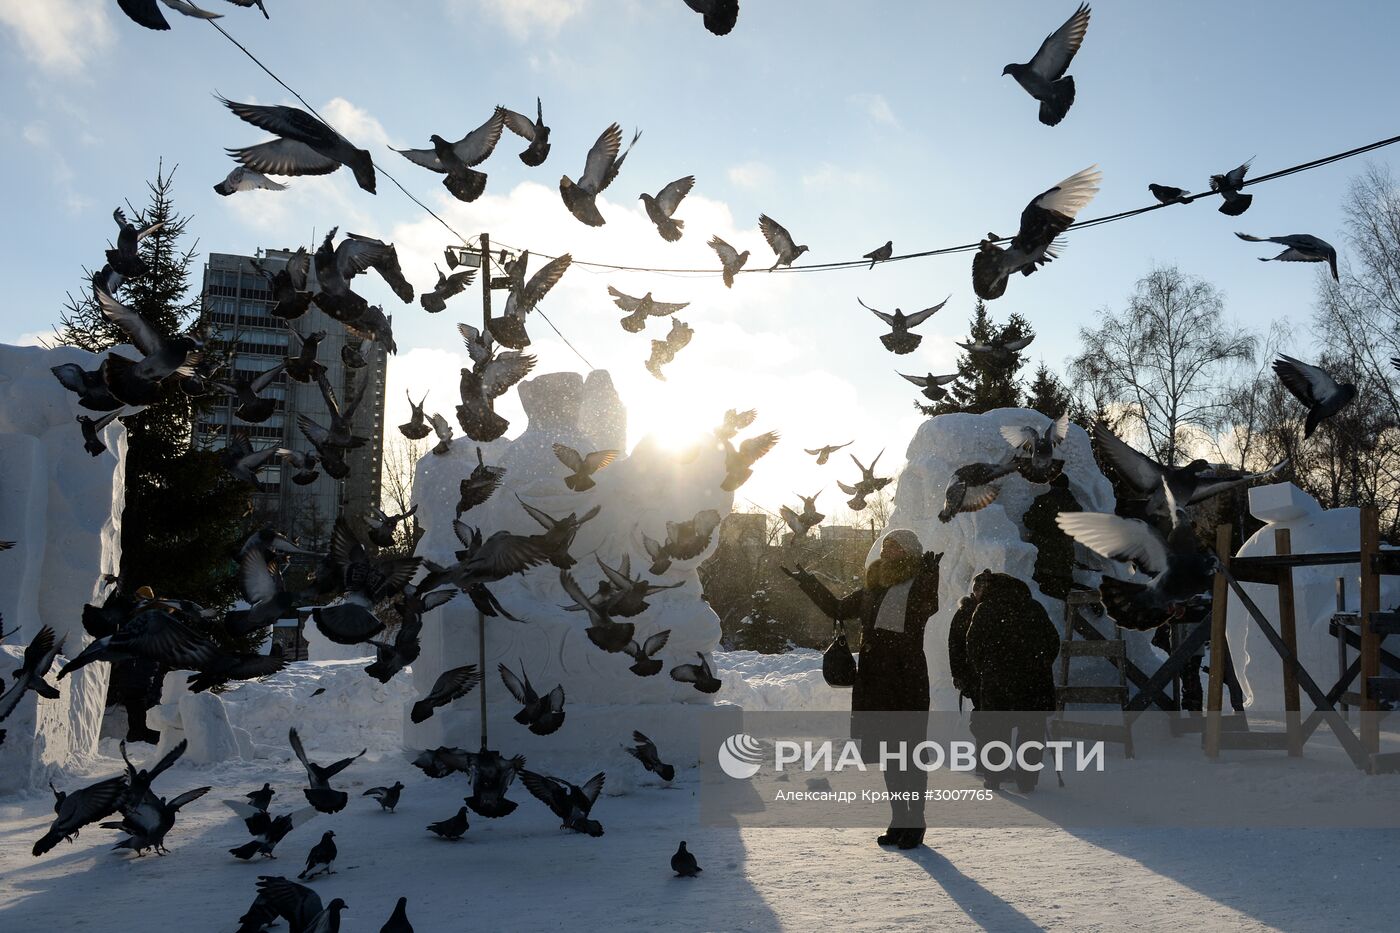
[[1067, 693]]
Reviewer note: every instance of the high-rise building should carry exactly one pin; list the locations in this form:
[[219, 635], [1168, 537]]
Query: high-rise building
[[237, 302]]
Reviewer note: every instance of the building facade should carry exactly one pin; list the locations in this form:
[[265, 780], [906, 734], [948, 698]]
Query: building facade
[[237, 302]]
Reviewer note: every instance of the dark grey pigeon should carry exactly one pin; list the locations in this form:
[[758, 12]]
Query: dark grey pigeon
[[558, 533], [700, 676], [320, 794], [252, 407], [867, 485], [1049, 214], [1315, 388], [492, 774], [304, 367], [288, 285], [970, 489], [1043, 77], [92, 441], [509, 329], [628, 594], [398, 920], [1235, 202], [243, 178], [481, 562], [738, 462], [388, 797], [779, 241], [730, 259], [583, 467], [1037, 446], [720, 15], [1298, 247], [88, 385], [444, 760], [267, 830], [931, 385], [900, 339], [452, 684], [389, 659], [824, 453], [451, 828], [126, 259], [416, 428], [479, 484], [542, 714], [261, 799], [599, 170], [153, 635], [611, 636], [662, 208], [570, 802], [533, 131], [880, 254], [1002, 352], [243, 461], [657, 553], [80, 808], [305, 145], [260, 581], [689, 539], [683, 863], [138, 383], [1166, 194], [643, 662], [455, 159], [447, 286], [251, 3], [645, 752], [300, 906], [148, 822], [39, 656]]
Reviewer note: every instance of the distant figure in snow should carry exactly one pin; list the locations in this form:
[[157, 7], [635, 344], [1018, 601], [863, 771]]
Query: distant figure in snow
[[1054, 558]]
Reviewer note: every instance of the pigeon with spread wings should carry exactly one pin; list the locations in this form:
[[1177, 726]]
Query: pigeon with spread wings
[[599, 170], [1043, 77], [304, 146], [1048, 215], [901, 339], [454, 160]]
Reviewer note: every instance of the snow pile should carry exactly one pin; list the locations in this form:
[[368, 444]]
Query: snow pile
[[62, 507], [1312, 529], [994, 538], [789, 681]]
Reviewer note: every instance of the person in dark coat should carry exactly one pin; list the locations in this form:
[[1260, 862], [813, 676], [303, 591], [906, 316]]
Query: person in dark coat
[[899, 596], [1054, 560], [1010, 647]]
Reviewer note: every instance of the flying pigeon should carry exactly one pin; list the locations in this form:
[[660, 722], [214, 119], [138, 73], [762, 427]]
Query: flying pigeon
[[643, 662], [571, 803], [867, 485], [354, 356], [251, 3], [92, 428], [288, 285], [824, 453], [153, 634], [267, 830], [683, 863], [455, 160], [252, 407], [533, 131], [88, 385], [1043, 77], [367, 579], [1234, 201], [299, 906], [139, 383], [452, 684], [509, 328], [657, 553], [337, 265], [147, 824], [444, 434], [243, 178], [804, 521], [1047, 216], [1315, 388], [451, 828], [146, 13], [730, 260], [39, 656], [490, 376], [244, 462], [662, 208], [931, 385], [583, 466], [625, 596], [664, 351], [387, 797], [639, 309], [880, 254], [304, 367], [738, 464], [481, 562], [1166, 194], [611, 636], [416, 427], [599, 170], [389, 659], [700, 676], [970, 489], [558, 532], [780, 241], [492, 774], [260, 582], [645, 752], [125, 260], [439, 762], [734, 422], [381, 528], [689, 539], [321, 857], [80, 808], [320, 794], [1299, 247], [479, 485], [900, 339], [305, 145], [1037, 447], [447, 286], [720, 15], [542, 714], [1002, 352], [261, 799]]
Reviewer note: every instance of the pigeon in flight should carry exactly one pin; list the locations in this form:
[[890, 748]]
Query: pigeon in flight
[[657, 553], [664, 351], [139, 383], [447, 286], [368, 579], [244, 462], [662, 208], [1298, 247], [689, 539], [734, 422], [730, 259], [321, 857], [804, 521], [645, 752], [700, 676], [1315, 388], [970, 489], [305, 145], [1166, 194], [148, 823], [880, 254], [252, 407], [260, 581], [153, 634], [900, 339], [444, 434], [452, 684], [387, 797], [599, 170], [261, 799], [88, 385], [480, 562], [683, 863], [931, 385], [583, 467], [39, 656], [824, 453], [1047, 216], [720, 15], [490, 376], [92, 430], [389, 659], [125, 260], [492, 774], [304, 367], [320, 794], [571, 803], [252, 3], [451, 828], [643, 662], [867, 485], [455, 160], [146, 13], [416, 427], [639, 309], [780, 241], [337, 265], [353, 356], [444, 760], [243, 178], [1037, 447], [288, 285], [625, 596], [611, 636], [1043, 77], [532, 131], [1234, 201], [738, 464], [479, 485], [1002, 352], [267, 830], [542, 714], [80, 808], [558, 534], [509, 328], [300, 906], [381, 528]]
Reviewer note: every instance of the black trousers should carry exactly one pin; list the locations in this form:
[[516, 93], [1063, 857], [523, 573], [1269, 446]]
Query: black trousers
[[1015, 729]]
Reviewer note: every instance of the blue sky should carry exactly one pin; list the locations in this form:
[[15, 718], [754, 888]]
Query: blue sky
[[848, 126]]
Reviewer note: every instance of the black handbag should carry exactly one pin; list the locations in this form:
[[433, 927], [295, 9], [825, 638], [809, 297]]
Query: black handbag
[[838, 664]]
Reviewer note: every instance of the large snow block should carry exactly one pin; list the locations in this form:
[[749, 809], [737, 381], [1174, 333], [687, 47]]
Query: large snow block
[[63, 508]]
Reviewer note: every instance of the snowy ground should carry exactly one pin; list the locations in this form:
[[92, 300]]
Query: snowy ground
[[523, 873]]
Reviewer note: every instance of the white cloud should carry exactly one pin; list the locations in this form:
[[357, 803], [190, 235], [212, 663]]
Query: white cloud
[[32, 339], [356, 124], [521, 18], [751, 175], [60, 36], [876, 108], [826, 175]]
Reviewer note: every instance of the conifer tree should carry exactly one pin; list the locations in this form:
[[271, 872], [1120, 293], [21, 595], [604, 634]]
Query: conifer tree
[[983, 383]]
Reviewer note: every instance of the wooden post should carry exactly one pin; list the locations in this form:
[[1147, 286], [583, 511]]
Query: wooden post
[[1287, 625], [1370, 642], [483, 270], [1342, 637], [1220, 595]]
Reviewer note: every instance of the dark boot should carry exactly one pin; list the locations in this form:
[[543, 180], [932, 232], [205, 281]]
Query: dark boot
[[910, 838], [889, 837]]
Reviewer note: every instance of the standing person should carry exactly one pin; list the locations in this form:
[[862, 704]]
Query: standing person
[[899, 596], [1054, 558]]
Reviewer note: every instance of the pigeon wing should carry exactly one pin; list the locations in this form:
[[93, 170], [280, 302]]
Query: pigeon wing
[[1116, 538], [284, 157], [1052, 59], [513, 684], [474, 147], [518, 123], [918, 317], [1140, 471], [600, 160], [670, 197], [287, 122], [1309, 384], [146, 338], [569, 457], [1019, 436], [779, 240]]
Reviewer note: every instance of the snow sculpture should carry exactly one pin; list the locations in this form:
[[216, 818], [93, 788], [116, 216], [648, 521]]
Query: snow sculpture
[[994, 538], [637, 494], [63, 508], [1311, 529], [199, 718]]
